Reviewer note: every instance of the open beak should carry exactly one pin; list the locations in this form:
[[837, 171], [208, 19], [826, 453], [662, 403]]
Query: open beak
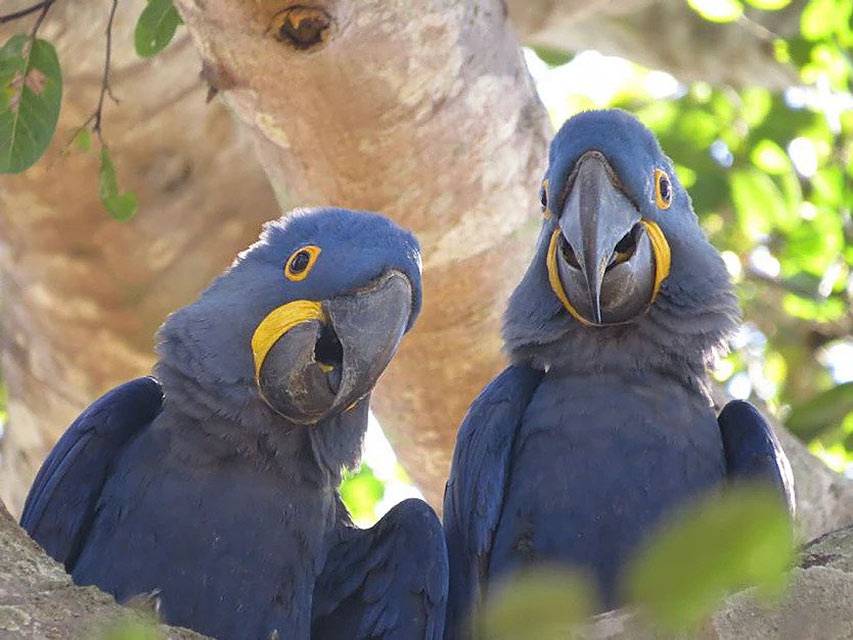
[[601, 260], [316, 359]]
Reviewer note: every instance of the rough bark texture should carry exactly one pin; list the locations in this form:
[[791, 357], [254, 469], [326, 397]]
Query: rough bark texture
[[665, 34], [817, 604], [38, 601]]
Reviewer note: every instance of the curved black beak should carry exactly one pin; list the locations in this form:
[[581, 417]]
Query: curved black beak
[[605, 259], [325, 364]]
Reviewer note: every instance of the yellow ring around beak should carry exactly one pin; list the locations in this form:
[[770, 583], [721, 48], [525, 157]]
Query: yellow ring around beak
[[278, 322], [663, 258]]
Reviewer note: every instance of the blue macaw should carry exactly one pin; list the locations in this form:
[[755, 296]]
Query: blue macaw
[[603, 423], [214, 485]]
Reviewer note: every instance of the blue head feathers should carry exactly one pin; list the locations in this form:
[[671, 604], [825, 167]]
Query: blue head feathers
[[623, 276], [305, 319]]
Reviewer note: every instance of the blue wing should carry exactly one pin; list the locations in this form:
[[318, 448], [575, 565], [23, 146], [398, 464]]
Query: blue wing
[[473, 498], [62, 500], [752, 450], [388, 582]]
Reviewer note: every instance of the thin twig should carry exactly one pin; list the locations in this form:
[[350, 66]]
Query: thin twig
[[40, 19], [9, 17], [105, 78]]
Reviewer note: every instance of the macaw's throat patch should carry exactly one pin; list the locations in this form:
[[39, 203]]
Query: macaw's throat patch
[[662, 258], [278, 322]]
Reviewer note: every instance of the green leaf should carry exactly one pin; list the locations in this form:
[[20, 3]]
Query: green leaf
[[722, 544], [770, 157], [83, 140], [760, 204], [769, 5], [717, 10], [817, 19], [551, 56], [121, 206], [156, 27], [31, 86], [821, 413], [361, 493], [538, 604]]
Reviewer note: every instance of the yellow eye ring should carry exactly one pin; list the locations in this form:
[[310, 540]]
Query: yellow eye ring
[[300, 262], [663, 189]]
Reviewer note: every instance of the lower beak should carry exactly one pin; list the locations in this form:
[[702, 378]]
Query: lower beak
[[333, 358], [603, 258]]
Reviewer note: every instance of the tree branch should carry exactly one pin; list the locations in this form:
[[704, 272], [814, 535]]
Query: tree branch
[[43, 6]]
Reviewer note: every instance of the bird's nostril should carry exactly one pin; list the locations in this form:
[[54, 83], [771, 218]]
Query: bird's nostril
[[569, 253]]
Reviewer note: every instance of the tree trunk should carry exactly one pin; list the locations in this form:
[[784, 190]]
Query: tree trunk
[[39, 602], [83, 294], [423, 110], [666, 35]]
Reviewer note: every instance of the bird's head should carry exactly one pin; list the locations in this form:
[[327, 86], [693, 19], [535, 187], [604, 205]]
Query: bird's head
[[619, 236], [307, 318]]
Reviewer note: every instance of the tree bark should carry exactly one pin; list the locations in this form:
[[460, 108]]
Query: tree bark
[[666, 35], [423, 110], [815, 605], [38, 601], [83, 294]]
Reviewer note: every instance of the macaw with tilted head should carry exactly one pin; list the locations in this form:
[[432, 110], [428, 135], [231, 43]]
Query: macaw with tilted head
[[603, 423], [214, 487]]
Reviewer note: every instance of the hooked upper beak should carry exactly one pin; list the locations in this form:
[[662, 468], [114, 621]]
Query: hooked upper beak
[[315, 359], [602, 262]]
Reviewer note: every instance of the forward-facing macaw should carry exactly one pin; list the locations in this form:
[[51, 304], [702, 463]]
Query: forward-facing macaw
[[603, 422], [214, 485]]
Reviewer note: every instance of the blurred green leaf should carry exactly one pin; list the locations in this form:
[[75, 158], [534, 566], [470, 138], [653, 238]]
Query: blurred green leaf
[[717, 10], [121, 206], [822, 412], [31, 90], [770, 157], [551, 56], [769, 5], [361, 493], [156, 27], [719, 545], [83, 140], [537, 604], [817, 19], [131, 629], [760, 204]]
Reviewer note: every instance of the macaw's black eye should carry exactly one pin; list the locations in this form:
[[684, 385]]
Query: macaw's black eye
[[543, 195], [663, 189], [301, 262]]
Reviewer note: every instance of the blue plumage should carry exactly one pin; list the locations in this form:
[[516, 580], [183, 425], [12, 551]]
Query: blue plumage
[[217, 485], [603, 424]]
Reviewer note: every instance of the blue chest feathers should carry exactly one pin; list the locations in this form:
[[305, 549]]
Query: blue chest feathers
[[596, 463]]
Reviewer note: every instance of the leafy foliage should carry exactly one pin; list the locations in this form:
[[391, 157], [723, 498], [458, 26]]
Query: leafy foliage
[[740, 540], [538, 604], [156, 27], [30, 98], [121, 206], [361, 492]]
